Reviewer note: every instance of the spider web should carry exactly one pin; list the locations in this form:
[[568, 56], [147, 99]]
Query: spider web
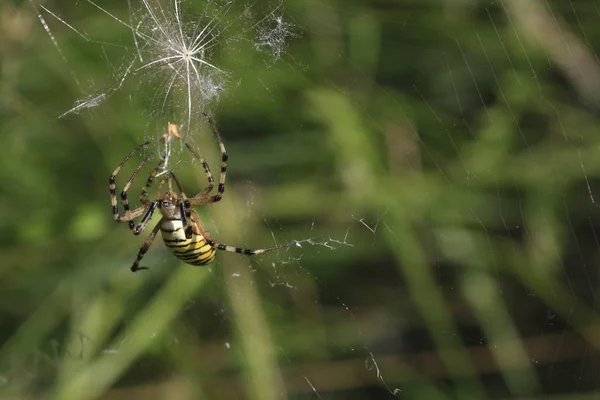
[[462, 230], [172, 48]]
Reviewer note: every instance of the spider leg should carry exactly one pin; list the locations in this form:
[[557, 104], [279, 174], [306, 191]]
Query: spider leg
[[202, 197], [113, 189], [147, 243], [130, 215], [126, 188], [231, 249], [224, 158], [248, 252], [211, 180], [161, 184], [155, 172], [147, 217]]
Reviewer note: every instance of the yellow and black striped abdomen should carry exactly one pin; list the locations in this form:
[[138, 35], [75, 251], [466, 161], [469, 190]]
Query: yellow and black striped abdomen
[[194, 251]]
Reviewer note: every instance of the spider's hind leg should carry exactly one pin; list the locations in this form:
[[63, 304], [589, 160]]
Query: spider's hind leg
[[231, 249], [248, 252]]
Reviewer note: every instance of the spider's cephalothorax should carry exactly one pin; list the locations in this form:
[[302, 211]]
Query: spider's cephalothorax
[[194, 249], [181, 228]]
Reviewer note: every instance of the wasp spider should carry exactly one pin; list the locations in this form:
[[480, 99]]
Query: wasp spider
[[181, 228]]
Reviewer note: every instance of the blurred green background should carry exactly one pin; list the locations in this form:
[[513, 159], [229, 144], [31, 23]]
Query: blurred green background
[[439, 160]]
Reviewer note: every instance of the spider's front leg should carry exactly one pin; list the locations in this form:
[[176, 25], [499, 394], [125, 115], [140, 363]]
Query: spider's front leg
[[224, 158], [145, 219], [160, 167], [147, 243], [202, 197], [129, 215]]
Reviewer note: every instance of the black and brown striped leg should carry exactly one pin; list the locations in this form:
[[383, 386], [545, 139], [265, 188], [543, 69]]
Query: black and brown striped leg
[[187, 218], [248, 252], [211, 180], [161, 184], [147, 217], [113, 187], [144, 249], [155, 172], [240, 250], [129, 215], [224, 158], [202, 197]]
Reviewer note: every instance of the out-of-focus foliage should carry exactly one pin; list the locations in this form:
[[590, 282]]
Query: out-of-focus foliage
[[442, 156]]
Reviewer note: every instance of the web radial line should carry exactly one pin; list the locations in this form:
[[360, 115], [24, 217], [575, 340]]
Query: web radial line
[[204, 47], [65, 23], [83, 36], [216, 36], [219, 14], [195, 43], [176, 2], [198, 46], [146, 37], [137, 46], [197, 74], [265, 17], [156, 22], [126, 74], [200, 35], [168, 91], [85, 104], [157, 61], [189, 93], [472, 75], [55, 43], [522, 46], [155, 19], [177, 72], [173, 36], [506, 101], [201, 45], [509, 58], [206, 63]]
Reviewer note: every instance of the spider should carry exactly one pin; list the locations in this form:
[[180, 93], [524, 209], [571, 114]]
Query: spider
[[180, 225]]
